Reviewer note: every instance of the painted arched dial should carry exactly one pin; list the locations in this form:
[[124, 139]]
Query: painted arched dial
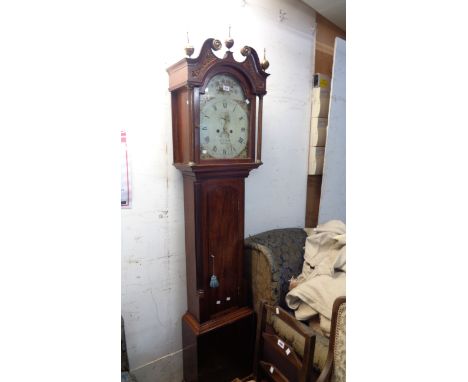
[[224, 119]]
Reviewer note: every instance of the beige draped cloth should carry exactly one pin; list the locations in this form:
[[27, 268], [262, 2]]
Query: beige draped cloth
[[323, 276]]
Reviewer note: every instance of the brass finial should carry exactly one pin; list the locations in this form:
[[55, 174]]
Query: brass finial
[[229, 42], [246, 50], [217, 45], [189, 48], [264, 64]]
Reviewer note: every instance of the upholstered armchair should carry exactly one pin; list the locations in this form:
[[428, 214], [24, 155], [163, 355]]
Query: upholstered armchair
[[272, 259]]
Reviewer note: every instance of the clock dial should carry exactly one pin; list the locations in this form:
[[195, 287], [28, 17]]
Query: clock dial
[[224, 119]]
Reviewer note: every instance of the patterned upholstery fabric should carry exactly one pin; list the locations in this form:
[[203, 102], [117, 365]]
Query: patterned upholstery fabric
[[339, 354], [320, 352], [273, 257]]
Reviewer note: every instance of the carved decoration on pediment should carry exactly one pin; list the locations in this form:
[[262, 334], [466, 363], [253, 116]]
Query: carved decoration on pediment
[[206, 58], [259, 82], [197, 68], [208, 61]]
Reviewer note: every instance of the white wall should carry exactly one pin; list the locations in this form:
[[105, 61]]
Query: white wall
[[333, 194], [153, 259]]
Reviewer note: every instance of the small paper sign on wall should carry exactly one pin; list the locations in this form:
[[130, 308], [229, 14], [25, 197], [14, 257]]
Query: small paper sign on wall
[[125, 188]]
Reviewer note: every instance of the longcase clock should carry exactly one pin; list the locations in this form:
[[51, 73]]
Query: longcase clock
[[216, 124]]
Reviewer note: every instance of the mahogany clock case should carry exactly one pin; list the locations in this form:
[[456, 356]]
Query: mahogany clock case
[[219, 320]]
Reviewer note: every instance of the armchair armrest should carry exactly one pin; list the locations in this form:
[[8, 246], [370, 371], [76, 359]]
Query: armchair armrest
[[272, 258], [336, 361]]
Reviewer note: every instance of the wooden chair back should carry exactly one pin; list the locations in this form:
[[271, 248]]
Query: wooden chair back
[[276, 359]]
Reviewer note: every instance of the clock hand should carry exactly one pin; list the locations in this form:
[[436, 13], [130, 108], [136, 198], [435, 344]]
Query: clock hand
[[225, 126]]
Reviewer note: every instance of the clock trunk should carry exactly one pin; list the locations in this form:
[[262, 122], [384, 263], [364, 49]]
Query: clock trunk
[[214, 226]]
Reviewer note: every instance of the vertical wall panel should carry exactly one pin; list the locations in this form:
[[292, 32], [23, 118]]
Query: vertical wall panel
[[333, 200]]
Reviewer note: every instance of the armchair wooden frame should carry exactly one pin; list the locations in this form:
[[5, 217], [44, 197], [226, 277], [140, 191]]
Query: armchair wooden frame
[[326, 374]]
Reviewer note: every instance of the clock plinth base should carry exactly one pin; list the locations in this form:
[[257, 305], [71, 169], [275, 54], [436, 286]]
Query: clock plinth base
[[218, 350], [225, 319]]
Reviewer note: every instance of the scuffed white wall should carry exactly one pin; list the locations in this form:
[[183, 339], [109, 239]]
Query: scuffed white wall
[[153, 258]]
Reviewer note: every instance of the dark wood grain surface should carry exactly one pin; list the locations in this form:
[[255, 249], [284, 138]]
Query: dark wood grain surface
[[218, 328]]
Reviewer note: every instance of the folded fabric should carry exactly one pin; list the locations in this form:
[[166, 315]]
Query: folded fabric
[[317, 295], [325, 241], [323, 276]]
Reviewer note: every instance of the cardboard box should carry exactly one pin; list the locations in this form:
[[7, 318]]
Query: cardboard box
[[318, 131], [320, 102], [316, 157]]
